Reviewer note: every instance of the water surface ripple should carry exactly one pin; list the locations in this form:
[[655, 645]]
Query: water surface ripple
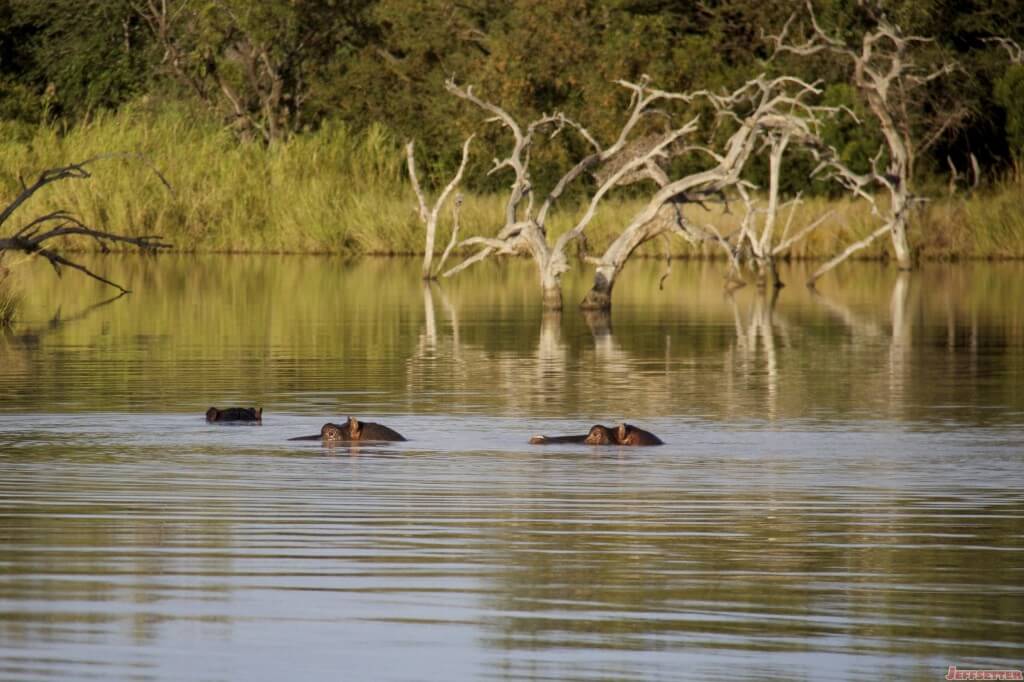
[[841, 496]]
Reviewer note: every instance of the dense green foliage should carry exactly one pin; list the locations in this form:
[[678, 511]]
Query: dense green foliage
[[279, 67], [336, 190], [1010, 94], [280, 123]]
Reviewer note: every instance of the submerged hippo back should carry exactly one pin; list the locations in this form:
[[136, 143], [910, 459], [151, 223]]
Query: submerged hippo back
[[627, 434], [373, 431]]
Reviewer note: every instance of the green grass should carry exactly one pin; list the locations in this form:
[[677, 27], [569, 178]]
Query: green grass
[[328, 192], [10, 303], [335, 191]]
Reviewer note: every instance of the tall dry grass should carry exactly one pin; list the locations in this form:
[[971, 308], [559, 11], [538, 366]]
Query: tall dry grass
[[11, 301], [332, 191], [335, 191]]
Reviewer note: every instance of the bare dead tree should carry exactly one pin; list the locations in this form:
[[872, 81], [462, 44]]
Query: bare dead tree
[[429, 215], [40, 235], [955, 176], [885, 73], [858, 185], [524, 229], [798, 129], [757, 236], [770, 105]]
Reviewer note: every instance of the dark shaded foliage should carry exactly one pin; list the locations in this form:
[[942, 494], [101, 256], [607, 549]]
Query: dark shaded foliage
[[385, 61]]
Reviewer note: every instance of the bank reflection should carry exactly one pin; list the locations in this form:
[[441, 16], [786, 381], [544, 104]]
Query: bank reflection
[[368, 337], [744, 355]]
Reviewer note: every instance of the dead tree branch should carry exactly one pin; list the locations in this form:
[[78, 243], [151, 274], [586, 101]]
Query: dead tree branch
[[525, 228], [885, 72], [849, 251], [429, 215], [36, 236], [771, 105], [1012, 48]]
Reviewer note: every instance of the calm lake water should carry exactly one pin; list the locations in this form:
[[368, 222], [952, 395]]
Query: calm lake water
[[841, 495]]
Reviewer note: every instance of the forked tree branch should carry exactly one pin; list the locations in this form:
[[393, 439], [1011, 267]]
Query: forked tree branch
[[429, 216], [34, 237]]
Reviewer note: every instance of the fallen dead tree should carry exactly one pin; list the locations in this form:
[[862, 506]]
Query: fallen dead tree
[[41, 235]]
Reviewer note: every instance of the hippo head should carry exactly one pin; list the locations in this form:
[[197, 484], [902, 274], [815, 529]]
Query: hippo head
[[332, 432], [212, 414], [599, 435]]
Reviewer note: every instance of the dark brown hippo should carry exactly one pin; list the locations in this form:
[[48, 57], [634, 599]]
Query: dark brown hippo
[[624, 434], [235, 414], [598, 435], [627, 434], [353, 430]]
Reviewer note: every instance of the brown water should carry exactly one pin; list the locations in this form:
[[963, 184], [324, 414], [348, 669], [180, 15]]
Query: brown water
[[841, 495]]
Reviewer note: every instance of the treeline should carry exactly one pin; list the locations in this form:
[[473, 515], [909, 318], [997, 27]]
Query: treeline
[[275, 69]]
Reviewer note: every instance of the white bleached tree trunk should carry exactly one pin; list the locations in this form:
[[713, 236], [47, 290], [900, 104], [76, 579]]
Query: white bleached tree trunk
[[524, 229], [429, 215], [771, 106]]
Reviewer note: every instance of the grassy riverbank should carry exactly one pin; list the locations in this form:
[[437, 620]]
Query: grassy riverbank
[[337, 192], [10, 304]]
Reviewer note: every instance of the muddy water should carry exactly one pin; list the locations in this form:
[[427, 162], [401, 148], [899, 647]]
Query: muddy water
[[841, 495]]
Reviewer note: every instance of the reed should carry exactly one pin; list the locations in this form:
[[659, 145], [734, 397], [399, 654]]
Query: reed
[[10, 303], [338, 191]]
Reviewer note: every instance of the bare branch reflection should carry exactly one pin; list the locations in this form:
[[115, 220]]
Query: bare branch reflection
[[901, 341], [756, 345]]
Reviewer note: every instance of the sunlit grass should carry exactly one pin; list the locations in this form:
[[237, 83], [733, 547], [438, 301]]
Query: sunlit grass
[[10, 303], [335, 191]]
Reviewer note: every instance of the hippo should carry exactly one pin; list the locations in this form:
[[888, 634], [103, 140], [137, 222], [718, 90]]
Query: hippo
[[627, 434], [353, 430], [598, 435], [235, 414], [623, 434]]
